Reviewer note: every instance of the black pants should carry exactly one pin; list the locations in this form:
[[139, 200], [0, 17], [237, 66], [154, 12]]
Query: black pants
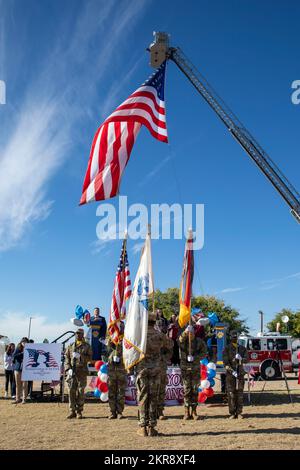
[[175, 360], [9, 378]]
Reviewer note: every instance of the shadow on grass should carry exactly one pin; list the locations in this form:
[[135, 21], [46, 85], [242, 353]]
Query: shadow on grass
[[293, 431]]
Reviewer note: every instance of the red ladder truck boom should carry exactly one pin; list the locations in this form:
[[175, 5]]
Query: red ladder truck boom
[[161, 51]]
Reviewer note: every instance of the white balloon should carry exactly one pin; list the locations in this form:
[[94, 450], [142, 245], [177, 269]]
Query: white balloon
[[203, 321], [99, 374], [76, 322], [211, 365], [103, 377], [205, 384], [104, 396]]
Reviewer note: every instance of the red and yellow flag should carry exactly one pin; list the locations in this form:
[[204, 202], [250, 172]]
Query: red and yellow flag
[[185, 291]]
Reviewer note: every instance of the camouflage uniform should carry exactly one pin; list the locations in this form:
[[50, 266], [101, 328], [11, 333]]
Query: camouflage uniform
[[117, 378], [148, 379], [190, 371], [234, 386], [166, 354], [78, 382]]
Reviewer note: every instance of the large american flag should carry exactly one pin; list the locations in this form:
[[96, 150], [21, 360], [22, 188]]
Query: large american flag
[[113, 141], [121, 292]]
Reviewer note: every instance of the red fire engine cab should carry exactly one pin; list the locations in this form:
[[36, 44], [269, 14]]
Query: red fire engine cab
[[268, 354]]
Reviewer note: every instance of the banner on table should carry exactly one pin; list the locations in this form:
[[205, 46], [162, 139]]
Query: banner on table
[[42, 361], [174, 389]]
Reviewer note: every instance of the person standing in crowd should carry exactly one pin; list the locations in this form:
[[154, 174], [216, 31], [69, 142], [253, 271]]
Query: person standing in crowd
[[30, 382], [298, 357], [234, 356], [192, 350], [165, 356], [173, 329], [117, 376], [148, 379], [9, 370], [21, 385], [161, 322], [96, 335], [77, 356]]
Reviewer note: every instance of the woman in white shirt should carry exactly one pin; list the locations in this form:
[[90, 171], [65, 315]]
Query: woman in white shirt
[[9, 370]]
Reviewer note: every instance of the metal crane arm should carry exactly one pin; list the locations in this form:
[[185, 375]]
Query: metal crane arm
[[160, 51]]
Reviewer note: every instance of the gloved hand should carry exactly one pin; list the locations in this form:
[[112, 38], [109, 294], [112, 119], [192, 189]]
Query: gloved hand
[[235, 374], [70, 373], [238, 357], [76, 355], [190, 329]]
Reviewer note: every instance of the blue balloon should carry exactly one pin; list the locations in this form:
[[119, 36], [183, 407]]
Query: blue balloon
[[212, 382], [97, 393], [209, 343], [199, 389], [213, 318], [211, 373], [204, 361], [104, 369], [78, 312]]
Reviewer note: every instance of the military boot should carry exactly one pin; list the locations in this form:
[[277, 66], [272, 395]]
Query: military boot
[[71, 415], [142, 431], [187, 413], [194, 413], [79, 415], [112, 416], [152, 432], [162, 417]]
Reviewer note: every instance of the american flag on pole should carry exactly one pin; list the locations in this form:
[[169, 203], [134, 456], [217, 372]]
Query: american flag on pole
[[121, 293], [113, 141]]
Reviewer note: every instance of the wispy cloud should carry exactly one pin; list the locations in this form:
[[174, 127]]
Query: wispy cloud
[[137, 247], [155, 170], [15, 326], [35, 140], [231, 289], [282, 279], [270, 287]]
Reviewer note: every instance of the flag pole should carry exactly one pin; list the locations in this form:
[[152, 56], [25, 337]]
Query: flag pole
[[123, 256], [153, 305], [190, 236]]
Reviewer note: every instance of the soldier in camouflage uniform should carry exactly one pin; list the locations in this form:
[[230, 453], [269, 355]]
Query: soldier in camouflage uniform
[[77, 357], [190, 369], [234, 356], [165, 357], [148, 379], [117, 377]]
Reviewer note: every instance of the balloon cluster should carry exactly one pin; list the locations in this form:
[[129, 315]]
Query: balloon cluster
[[101, 390], [208, 372], [81, 316]]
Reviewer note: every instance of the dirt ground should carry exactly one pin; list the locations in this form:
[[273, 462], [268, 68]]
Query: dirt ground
[[271, 422]]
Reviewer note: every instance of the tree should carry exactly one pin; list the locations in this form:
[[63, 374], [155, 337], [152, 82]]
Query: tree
[[292, 327], [168, 302]]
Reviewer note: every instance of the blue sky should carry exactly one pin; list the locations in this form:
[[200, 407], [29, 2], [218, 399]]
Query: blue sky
[[67, 64]]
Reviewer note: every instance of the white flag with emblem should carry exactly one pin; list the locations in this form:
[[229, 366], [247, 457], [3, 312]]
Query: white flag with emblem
[[136, 327]]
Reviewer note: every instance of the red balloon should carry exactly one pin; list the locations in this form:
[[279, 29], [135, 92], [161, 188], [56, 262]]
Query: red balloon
[[202, 397], [103, 387], [209, 392], [97, 382], [203, 371], [98, 364]]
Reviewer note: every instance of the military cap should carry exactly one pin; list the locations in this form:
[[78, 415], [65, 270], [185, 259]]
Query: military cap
[[80, 330]]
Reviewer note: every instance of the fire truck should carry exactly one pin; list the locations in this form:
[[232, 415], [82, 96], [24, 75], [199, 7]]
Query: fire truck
[[269, 354]]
